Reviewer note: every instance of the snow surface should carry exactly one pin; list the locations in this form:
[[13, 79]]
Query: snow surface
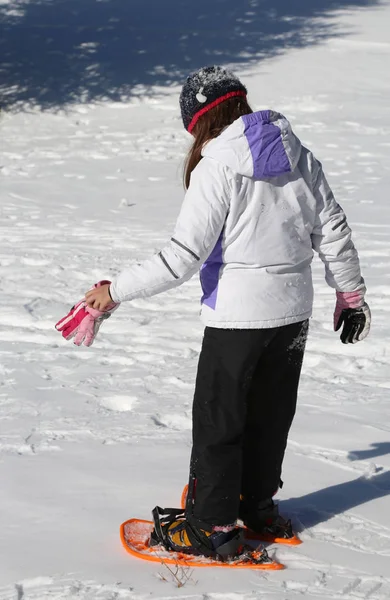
[[92, 437]]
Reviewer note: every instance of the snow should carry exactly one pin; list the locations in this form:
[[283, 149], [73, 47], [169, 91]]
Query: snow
[[90, 437]]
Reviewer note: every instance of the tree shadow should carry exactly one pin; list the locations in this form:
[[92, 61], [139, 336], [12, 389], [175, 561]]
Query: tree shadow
[[377, 449], [323, 505], [54, 53]]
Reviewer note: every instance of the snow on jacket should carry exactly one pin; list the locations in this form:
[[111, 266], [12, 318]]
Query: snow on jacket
[[257, 205]]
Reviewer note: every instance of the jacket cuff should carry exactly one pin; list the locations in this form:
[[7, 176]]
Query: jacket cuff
[[113, 295], [350, 299]]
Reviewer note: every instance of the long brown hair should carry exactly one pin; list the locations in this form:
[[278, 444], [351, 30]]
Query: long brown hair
[[209, 126]]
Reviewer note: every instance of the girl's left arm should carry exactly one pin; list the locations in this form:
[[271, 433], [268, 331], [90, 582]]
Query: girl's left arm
[[197, 230]]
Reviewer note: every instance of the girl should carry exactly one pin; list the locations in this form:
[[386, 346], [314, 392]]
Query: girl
[[256, 206]]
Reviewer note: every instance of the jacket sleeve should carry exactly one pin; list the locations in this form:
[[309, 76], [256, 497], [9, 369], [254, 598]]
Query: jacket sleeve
[[331, 238], [197, 230]]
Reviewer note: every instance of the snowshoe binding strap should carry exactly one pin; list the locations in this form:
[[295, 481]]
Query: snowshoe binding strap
[[281, 529], [163, 518]]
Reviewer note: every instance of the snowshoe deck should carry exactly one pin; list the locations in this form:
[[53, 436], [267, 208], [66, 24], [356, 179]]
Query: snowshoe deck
[[135, 534], [251, 535]]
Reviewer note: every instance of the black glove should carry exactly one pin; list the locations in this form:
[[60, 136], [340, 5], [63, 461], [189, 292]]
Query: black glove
[[356, 324]]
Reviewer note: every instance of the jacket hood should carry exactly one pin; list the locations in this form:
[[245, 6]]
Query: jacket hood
[[260, 145]]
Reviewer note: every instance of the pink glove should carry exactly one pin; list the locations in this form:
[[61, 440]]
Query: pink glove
[[346, 300], [83, 322]]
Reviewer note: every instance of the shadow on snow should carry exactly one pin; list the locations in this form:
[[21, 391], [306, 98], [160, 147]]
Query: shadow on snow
[[377, 449], [322, 505], [57, 52]]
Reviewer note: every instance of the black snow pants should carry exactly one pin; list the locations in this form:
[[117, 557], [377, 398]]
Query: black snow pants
[[244, 404]]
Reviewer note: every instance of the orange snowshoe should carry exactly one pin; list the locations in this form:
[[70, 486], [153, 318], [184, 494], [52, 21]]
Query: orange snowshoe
[[172, 539]]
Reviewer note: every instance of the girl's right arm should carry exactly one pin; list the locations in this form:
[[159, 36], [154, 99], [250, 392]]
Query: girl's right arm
[[332, 238]]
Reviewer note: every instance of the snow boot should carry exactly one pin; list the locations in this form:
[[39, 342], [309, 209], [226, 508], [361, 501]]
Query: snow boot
[[180, 534], [264, 519]]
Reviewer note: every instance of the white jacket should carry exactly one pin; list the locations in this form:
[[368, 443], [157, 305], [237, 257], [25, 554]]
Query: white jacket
[[257, 205]]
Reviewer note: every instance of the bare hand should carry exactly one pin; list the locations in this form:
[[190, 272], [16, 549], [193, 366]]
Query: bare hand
[[99, 298]]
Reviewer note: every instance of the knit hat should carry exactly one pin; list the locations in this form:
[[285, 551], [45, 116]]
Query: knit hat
[[204, 90]]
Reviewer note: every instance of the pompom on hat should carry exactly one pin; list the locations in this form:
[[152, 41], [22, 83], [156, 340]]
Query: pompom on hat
[[204, 90]]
